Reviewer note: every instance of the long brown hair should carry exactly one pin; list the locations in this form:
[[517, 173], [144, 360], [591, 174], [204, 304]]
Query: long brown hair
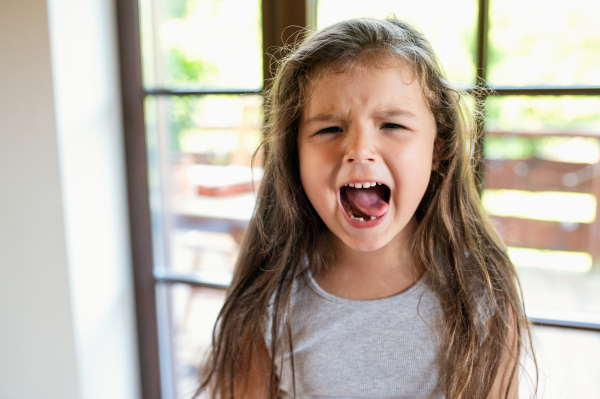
[[454, 241]]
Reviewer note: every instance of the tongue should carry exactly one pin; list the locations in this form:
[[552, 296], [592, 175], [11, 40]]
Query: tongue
[[368, 201]]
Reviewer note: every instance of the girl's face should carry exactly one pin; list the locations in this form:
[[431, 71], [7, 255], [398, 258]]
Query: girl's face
[[368, 125]]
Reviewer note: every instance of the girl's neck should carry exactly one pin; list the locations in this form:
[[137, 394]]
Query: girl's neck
[[362, 275]]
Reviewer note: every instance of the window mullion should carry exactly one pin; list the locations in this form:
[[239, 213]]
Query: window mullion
[[546, 91], [201, 92], [481, 92], [132, 93], [282, 20]]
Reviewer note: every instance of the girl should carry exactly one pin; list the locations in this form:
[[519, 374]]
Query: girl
[[369, 268]]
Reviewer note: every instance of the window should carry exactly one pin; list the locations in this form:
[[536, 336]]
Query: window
[[192, 73], [192, 110]]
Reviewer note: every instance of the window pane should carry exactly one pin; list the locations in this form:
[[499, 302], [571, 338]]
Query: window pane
[[202, 186], [542, 190], [451, 29], [201, 44], [550, 114], [194, 312], [534, 42]]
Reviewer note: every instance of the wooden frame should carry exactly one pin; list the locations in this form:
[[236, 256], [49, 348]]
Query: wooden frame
[[132, 94], [277, 17]]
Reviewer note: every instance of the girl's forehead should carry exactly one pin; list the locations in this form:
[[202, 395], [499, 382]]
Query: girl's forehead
[[366, 91], [335, 85], [363, 66]]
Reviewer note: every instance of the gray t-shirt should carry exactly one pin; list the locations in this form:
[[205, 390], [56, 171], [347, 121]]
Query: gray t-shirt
[[384, 348]]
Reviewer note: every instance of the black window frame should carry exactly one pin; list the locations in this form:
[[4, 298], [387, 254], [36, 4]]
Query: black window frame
[[277, 17]]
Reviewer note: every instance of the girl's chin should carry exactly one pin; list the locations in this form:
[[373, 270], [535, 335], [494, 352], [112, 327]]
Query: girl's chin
[[372, 240], [363, 244]]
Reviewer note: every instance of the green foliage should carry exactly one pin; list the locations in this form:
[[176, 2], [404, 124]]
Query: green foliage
[[553, 115], [180, 119], [557, 45], [175, 8], [511, 147], [183, 69], [553, 148], [198, 38]]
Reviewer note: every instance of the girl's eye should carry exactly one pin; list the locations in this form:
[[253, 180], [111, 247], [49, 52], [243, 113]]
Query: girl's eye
[[331, 129], [392, 126]]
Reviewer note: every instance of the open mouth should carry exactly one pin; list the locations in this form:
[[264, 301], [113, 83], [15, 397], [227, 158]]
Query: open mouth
[[365, 201]]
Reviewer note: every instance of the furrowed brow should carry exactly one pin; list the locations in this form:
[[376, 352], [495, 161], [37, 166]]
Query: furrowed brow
[[323, 118], [394, 112]]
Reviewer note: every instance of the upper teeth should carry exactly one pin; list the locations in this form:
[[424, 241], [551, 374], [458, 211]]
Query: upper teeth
[[363, 185]]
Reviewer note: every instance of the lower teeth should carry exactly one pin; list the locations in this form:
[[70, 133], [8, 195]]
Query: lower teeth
[[362, 219]]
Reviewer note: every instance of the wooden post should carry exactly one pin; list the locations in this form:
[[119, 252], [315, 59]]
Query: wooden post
[[594, 237]]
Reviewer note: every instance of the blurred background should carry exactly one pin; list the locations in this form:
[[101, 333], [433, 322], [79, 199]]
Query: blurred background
[[127, 133]]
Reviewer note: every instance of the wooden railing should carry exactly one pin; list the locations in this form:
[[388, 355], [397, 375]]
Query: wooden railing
[[537, 175]]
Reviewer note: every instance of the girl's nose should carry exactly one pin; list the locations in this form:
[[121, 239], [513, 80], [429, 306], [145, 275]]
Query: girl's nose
[[360, 147]]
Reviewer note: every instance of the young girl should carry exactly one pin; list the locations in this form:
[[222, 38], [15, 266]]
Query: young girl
[[369, 269]]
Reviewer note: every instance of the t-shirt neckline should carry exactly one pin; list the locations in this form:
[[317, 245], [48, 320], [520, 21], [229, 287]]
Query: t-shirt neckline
[[394, 298]]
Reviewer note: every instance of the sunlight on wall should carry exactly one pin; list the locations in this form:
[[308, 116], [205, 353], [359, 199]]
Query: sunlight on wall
[[548, 259], [544, 205]]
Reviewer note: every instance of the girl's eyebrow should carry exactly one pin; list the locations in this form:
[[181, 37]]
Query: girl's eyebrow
[[393, 112], [323, 118], [378, 114]]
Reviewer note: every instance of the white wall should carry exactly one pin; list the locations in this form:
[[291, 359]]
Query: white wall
[[66, 306]]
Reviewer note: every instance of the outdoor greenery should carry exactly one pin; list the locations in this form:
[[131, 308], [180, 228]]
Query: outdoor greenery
[[553, 148], [535, 42], [185, 61]]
